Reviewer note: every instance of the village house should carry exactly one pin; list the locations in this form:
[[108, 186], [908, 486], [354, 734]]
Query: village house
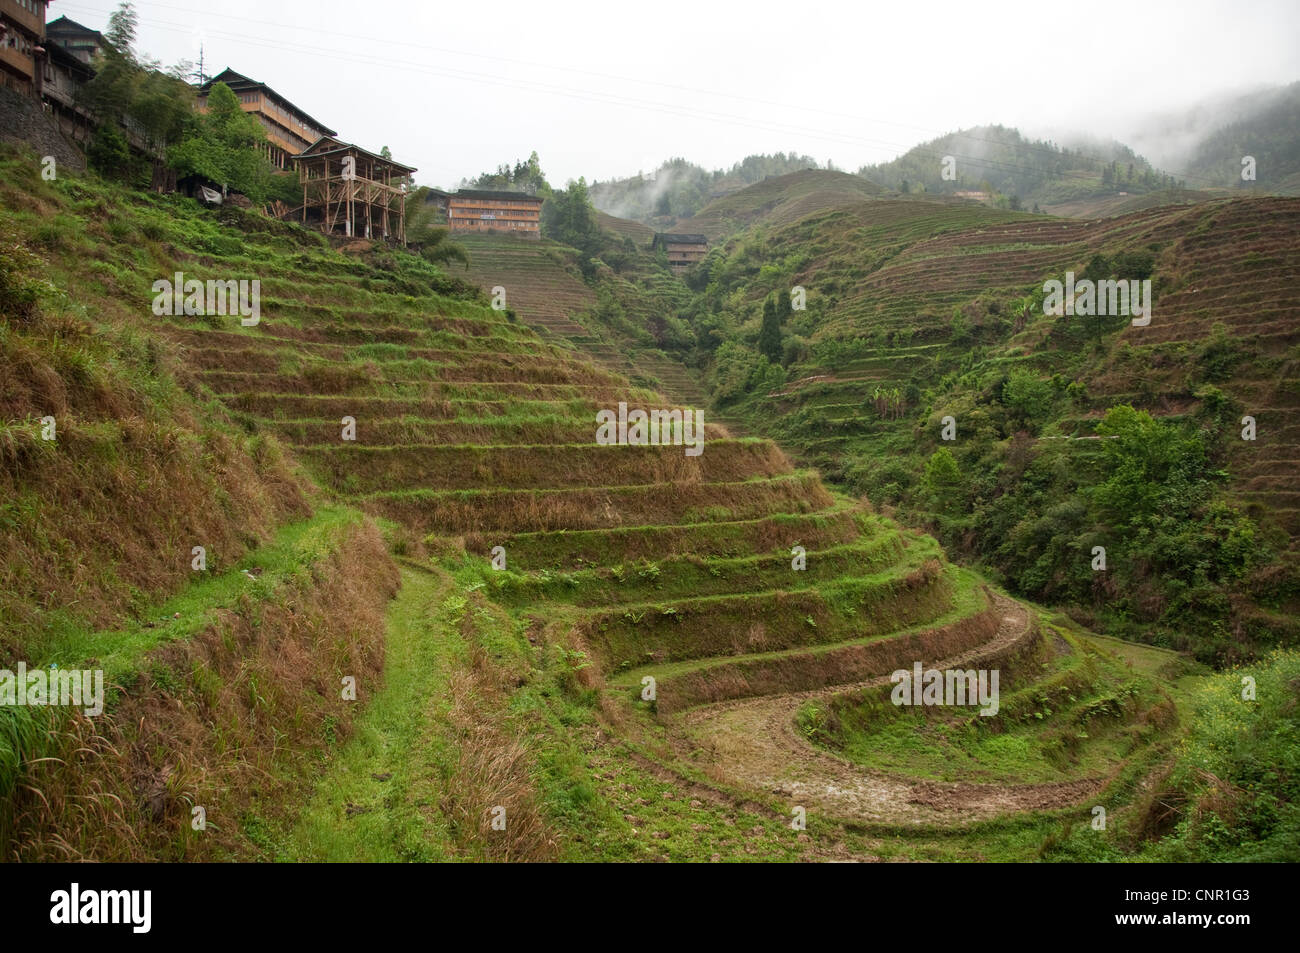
[[289, 130], [480, 210], [22, 33], [64, 74], [682, 250], [438, 199], [70, 50], [347, 190], [80, 41]]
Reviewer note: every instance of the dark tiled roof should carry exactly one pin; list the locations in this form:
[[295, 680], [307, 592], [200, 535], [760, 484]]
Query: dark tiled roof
[[500, 196], [678, 238]]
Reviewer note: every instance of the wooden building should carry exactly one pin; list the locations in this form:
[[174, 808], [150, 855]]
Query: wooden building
[[80, 41], [289, 130], [65, 74], [682, 250], [22, 33], [480, 210], [347, 190]]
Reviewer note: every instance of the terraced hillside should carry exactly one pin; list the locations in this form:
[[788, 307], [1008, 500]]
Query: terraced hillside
[[640, 233], [750, 594], [779, 200], [627, 563], [885, 277], [919, 313], [544, 287]]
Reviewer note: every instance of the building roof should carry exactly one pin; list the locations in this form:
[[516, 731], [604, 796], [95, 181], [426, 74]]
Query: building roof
[[329, 145], [496, 195], [679, 238], [68, 25], [238, 81]]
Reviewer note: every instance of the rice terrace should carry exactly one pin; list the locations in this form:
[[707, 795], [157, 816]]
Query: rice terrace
[[940, 508]]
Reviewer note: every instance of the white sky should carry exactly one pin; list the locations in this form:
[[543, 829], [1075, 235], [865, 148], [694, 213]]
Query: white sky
[[607, 89]]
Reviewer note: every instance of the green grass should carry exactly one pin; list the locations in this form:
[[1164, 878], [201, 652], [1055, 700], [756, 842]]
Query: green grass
[[376, 800]]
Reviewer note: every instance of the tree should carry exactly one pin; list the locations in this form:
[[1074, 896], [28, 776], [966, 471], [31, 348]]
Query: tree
[[426, 235], [163, 106], [569, 217], [1150, 467], [942, 480], [108, 153], [1027, 396], [222, 145], [110, 92], [769, 336], [120, 33], [526, 176]]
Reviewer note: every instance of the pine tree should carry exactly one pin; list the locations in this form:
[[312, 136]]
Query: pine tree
[[769, 336]]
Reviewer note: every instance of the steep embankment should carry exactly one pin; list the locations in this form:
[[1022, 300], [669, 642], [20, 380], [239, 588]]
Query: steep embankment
[[145, 534]]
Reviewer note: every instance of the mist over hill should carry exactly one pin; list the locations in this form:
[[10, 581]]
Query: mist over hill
[[1206, 141], [680, 188], [1017, 171]]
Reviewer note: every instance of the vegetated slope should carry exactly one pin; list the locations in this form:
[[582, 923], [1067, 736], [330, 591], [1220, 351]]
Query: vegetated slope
[[116, 467], [640, 233], [917, 312], [619, 559], [614, 323], [778, 200]]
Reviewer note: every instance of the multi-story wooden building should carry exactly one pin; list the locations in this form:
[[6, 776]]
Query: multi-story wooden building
[[81, 41], [22, 31], [347, 190], [682, 250], [289, 130], [480, 210], [65, 74]]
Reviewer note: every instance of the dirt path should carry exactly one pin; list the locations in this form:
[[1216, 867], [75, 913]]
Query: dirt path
[[754, 743]]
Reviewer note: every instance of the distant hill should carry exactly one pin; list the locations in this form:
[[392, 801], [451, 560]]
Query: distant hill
[[778, 200], [1019, 172], [679, 189], [1266, 127]]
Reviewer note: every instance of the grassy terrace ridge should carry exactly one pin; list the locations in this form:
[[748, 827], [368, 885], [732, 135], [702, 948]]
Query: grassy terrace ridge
[[476, 686], [739, 623], [676, 576], [969, 599], [293, 550], [524, 466]]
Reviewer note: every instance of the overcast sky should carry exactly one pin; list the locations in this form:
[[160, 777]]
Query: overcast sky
[[607, 89]]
